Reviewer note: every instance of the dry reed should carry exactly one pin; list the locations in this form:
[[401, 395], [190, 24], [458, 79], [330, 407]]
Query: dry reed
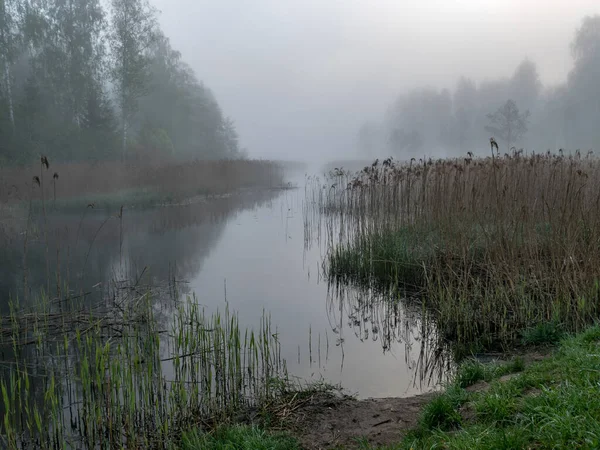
[[189, 178], [492, 245]]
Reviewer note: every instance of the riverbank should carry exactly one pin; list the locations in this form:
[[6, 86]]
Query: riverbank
[[487, 247], [541, 399], [109, 185]]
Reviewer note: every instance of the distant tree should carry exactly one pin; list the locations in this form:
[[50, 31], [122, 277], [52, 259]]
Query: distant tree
[[133, 30], [184, 108], [586, 46], [508, 124], [99, 125], [230, 138], [465, 104], [583, 86], [525, 84], [427, 113]]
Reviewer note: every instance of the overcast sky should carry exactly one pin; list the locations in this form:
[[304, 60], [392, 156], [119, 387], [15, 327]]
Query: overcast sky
[[299, 76]]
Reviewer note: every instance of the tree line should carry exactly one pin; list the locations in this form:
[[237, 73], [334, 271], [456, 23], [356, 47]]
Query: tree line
[[517, 110], [81, 80]]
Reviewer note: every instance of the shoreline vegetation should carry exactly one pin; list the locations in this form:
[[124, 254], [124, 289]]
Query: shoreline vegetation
[[498, 253], [126, 374], [71, 187], [540, 399], [488, 247], [139, 366], [545, 404]]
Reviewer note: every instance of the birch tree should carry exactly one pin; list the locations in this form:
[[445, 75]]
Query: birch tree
[[133, 29]]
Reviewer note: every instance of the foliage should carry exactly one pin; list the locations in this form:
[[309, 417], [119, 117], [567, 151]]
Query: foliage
[[508, 123], [132, 32], [564, 115], [92, 80], [545, 333]]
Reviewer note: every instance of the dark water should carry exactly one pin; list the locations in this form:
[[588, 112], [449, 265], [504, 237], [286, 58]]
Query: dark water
[[248, 251]]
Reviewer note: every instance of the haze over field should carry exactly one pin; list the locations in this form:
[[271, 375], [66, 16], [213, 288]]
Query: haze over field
[[301, 77]]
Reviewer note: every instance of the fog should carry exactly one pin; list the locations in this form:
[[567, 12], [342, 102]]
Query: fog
[[300, 80], [300, 77]]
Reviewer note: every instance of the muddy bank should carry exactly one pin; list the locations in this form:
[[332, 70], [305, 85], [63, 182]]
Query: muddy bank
[[331, 421]]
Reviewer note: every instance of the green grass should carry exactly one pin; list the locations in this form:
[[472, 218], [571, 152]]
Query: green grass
[[476, 306], [97, 377], [552, 403], [396, 257], [545, 333], [238, 437], [472, 371]]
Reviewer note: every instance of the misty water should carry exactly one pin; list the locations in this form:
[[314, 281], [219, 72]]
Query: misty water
[[251, 252]]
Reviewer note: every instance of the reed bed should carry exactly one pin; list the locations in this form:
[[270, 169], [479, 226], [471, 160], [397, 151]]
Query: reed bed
[[490, 245], [118, 376], [167, 177]]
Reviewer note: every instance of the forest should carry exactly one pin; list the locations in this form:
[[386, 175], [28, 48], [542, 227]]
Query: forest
[[517, 110], [86, 80]]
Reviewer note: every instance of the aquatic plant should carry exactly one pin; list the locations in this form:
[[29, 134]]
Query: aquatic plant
[[116, 377], [491, 246]]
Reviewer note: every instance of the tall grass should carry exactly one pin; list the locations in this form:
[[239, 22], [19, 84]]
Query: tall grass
[[490, 245], [114, 371], [119, 377], [148, 179]]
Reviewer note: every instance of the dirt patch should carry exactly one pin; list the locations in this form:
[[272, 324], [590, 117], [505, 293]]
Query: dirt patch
[[329, 420], [335, 422]]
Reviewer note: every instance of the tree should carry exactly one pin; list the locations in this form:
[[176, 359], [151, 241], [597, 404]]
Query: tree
[[584, 90], [525, 84], [75, 86], [133, 30], [77, 27], [230, 138], [181, 106], [427, 113], [508, 124], [9, 38], [99, 125]]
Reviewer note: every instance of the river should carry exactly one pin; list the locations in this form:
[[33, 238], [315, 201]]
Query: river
[[250, 251]]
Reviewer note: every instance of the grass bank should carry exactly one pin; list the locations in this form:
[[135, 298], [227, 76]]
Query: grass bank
[[489, 246], [525, 402], [238, 437], [72, 186], [547, 404]]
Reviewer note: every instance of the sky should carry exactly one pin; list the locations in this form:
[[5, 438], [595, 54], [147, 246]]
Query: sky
[[299, 77]]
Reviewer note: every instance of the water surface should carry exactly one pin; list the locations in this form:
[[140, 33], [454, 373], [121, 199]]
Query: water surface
[[250, 252]]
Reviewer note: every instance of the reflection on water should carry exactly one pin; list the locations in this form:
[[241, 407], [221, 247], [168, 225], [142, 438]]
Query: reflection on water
[[379, 317], [248, 252]]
